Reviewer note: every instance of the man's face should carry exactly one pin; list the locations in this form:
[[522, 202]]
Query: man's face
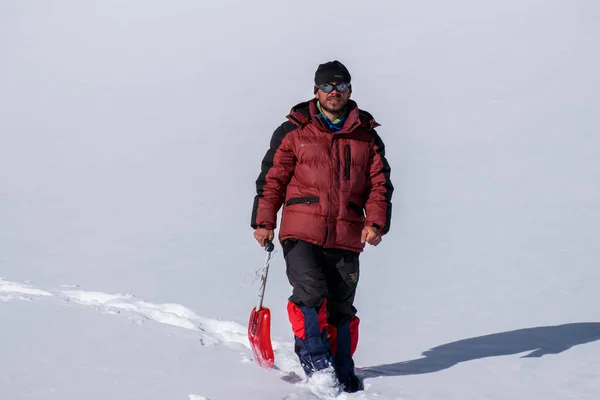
[[334, 101]]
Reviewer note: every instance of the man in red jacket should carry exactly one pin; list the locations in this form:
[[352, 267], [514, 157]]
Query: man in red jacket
[[326, 166]]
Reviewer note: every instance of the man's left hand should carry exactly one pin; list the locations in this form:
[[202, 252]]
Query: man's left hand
[[371, 235]]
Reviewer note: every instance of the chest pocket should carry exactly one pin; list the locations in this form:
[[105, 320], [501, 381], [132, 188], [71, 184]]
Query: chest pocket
[[354, 157], [347, 161]]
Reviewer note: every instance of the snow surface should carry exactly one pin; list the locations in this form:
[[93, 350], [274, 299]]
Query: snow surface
[[131, 135]]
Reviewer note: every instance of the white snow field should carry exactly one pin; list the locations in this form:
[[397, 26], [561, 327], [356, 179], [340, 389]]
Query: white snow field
[[131, 135]]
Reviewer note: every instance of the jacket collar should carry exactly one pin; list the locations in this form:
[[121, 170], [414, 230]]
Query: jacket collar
[[307, 112]]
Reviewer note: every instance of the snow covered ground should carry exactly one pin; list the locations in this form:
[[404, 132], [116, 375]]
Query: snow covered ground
[[131, 134]]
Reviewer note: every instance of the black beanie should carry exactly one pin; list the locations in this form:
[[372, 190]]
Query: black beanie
[[332, 71]]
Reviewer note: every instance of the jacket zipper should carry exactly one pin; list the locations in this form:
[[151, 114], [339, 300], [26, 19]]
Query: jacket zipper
[[330, 186]]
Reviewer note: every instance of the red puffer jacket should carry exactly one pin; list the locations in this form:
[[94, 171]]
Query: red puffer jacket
[[332, 185]]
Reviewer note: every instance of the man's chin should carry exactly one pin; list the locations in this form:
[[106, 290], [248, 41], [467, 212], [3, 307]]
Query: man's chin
[[336, 107]]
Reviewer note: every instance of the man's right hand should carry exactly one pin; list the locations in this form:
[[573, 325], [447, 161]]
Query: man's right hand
[[261, 234]]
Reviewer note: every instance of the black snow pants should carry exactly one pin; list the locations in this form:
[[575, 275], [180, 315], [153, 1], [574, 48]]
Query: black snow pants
[[317, 274]]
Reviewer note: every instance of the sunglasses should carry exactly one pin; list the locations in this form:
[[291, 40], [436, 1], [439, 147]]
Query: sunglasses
[[340, 87]]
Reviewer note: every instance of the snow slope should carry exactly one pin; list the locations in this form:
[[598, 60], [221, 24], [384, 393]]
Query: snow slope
[[131, 134]]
